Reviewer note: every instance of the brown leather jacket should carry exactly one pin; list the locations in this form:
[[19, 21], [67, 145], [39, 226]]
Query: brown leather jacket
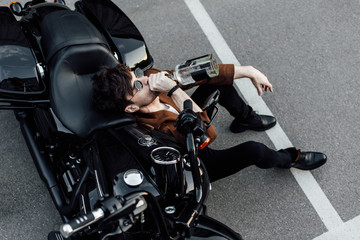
[[164, 120]]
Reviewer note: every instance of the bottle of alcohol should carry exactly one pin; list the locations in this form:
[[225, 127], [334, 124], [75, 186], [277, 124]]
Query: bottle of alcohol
[[196, 69]]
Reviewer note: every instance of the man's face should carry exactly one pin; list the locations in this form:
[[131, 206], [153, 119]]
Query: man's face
[[142, 94]]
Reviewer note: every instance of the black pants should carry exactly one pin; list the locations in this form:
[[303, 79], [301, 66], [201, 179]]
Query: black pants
[[222, 163]]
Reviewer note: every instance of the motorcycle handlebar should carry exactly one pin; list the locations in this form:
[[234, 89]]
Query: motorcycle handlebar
[[187, 104], [190, 145], [79, 223]]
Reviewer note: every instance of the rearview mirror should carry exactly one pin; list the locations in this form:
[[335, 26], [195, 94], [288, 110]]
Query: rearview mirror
[[211, 101], [210, 106], [16, 8], [60, 1]]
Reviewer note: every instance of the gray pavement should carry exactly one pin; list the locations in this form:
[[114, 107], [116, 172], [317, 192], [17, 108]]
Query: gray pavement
[[309, 51]]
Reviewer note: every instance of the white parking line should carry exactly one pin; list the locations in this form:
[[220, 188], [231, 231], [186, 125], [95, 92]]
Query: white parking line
[[305, 179], [347, 231]]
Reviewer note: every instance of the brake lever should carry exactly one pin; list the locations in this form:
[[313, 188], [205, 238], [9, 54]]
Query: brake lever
[[133, 206]]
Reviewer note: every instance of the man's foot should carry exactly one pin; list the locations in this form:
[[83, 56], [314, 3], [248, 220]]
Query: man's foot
[[309, 160], [253, 122]]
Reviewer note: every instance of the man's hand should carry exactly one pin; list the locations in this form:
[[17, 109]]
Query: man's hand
[[259, 80], [160, 83]]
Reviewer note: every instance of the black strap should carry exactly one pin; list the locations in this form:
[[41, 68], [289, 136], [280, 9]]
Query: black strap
[[173, 90]]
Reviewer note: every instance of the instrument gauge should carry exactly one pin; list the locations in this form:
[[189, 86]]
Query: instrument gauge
[[165, 155]]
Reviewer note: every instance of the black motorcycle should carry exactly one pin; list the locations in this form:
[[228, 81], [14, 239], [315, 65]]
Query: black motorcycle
[[109, 177]]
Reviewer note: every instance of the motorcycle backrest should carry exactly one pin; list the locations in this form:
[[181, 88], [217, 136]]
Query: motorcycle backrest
[[71, 89]]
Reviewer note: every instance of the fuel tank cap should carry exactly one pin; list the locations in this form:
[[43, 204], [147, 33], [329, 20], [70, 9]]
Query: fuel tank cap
[[133, 177]]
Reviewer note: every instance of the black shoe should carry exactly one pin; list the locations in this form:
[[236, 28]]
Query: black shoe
[[253, 122], [309, 160]]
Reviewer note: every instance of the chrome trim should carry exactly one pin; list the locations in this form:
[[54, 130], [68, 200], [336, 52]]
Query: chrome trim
[[98, 187]]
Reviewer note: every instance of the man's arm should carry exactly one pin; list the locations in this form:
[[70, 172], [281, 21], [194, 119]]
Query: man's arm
[[259, 80], [179, 97], [229, 72]]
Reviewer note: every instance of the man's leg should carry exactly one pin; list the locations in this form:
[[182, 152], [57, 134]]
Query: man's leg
[[245, 117], [223, 163]]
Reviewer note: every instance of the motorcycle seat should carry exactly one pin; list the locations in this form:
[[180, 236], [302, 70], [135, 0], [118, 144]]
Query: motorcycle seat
[[71, 71], [61, 29]]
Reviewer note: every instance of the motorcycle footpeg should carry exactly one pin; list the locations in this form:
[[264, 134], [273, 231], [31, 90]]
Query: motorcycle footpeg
[[79, 223], [56, 235]]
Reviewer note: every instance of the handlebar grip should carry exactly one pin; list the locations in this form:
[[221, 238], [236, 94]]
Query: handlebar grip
[[187, 104], [79, 223]]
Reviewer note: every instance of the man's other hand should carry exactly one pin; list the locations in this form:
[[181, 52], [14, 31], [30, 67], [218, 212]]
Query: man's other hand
[[259, 80]]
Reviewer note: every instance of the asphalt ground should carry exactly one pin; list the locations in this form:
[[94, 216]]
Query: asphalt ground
[[309, 50]]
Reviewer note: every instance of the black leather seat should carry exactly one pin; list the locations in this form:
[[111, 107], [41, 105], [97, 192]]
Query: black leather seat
[[71, 70], [62, 28]]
